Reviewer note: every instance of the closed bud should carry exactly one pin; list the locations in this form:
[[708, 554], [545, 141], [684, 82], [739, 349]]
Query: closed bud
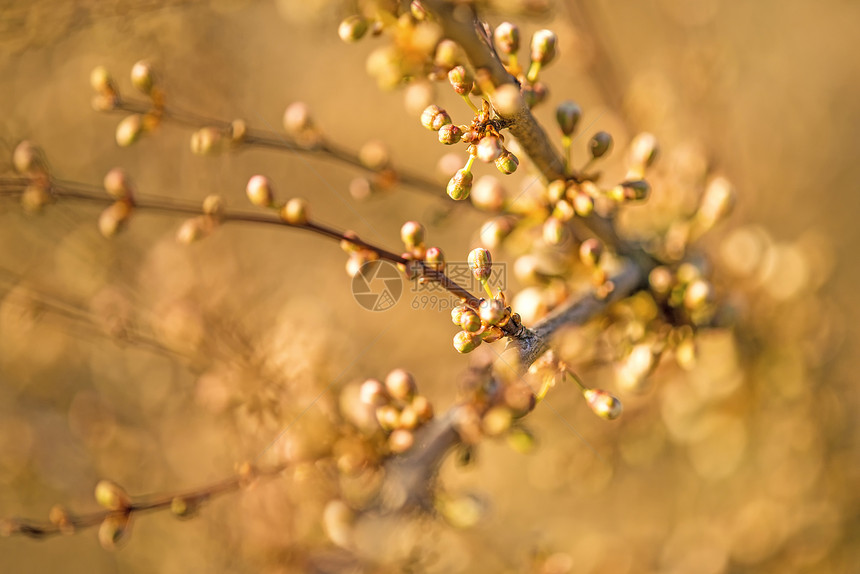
[[631, 375], [563, 210], [450, 134], [698, 294], [448, 54], [400, 440], [372, 392], [114, 217], [643, 149], [142, 77], [507, 38], [599, 144], [36, 196], [497, 421], [297, 118], [481, 263], [489, 148], [461, 80], [590, 252], [29, 159], [457, 312], [435, 259], [195, 229], [603, 404], [521, 440], [352, 28], [113, 529], [469, 321], [637, 190], [429, 116], [183, 507], [208, 141], [466, 342], [59, 516], [111, 496], [102, 82], [554, 231], [507, 163], [556, 190], [661, 281], [400, 384], [118, 184], [388, 417], [238, 131], [295, 211], [422, 407], [129, 130], [493, 312], [583, 204], [717, 202], [494, 231], [412, 234], [460, 185], [567, 114], [534, 94], [259, 191], [543, 47], [213, 204]]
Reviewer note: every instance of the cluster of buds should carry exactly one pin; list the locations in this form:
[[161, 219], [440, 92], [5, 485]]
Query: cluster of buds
[[300, 126], [116, 524], [417, 254], [543, 49], [211, 140], [201, 226], [485, 321], [685, 289], [550, 369], [113, 219], [108, 98], [399, 409], [29, 160]]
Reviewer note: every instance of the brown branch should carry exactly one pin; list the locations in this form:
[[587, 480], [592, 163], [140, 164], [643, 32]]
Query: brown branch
[[191, 499]]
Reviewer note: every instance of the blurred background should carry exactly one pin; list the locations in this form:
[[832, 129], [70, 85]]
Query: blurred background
[[748, 462]]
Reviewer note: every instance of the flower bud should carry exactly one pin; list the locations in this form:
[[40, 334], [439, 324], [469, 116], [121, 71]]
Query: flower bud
[[112, 530], [492, 311], [111, 496], [238, 131], [521, 440], [556, 190], [481, 263], [401, 384], [129, 130], [466, 342], [460, 185], [207, 141], [352, 28], [102, 82], [448, 54], [644, 149], [295, 211], [489, 148], [698, 294], [213, 204], [469, 321], [29, 159], [422, 407], [35, 197], [433, 118], [142, 77], [637, 190], [534, 94], [554, 231], [412, 234], [590, 252], [259, 191], [717, 202], [494, 231], [457, 312], [603, 404], [118, 184], [297, 118], [507, 163], [583, 204], [450, 134], [543, 47], [114, 217], [599, 144], [661, 280], [461, 80], [497, 421], [563, 210], [372, 392], [435, 259], [507, 38], [184, 507], [194, 229], [400, 440], [567, 114]]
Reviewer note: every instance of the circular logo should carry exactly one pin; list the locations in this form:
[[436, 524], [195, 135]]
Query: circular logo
[[377, 286]]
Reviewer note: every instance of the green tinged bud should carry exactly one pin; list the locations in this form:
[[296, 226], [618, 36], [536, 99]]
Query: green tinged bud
[[412, 234], [568, 114], [433, 118], [352, 28], [461, 80], [466, 342], [543, 47], [590, 252], [603, 404], [111, 496], [129, 130], [259, 191], [644, 149], [295, 211], [507, 163], [142, 77], [481, 263], [460, 185], [507, 38], [492, 311], [400, 384], [469, 321], [599, 144], [583, 204], [553, 231], [112, 530], [435, 259], [450, 134]]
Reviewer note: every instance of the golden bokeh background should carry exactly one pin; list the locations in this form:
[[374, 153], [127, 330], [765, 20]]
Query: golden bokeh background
[[749, 462]]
